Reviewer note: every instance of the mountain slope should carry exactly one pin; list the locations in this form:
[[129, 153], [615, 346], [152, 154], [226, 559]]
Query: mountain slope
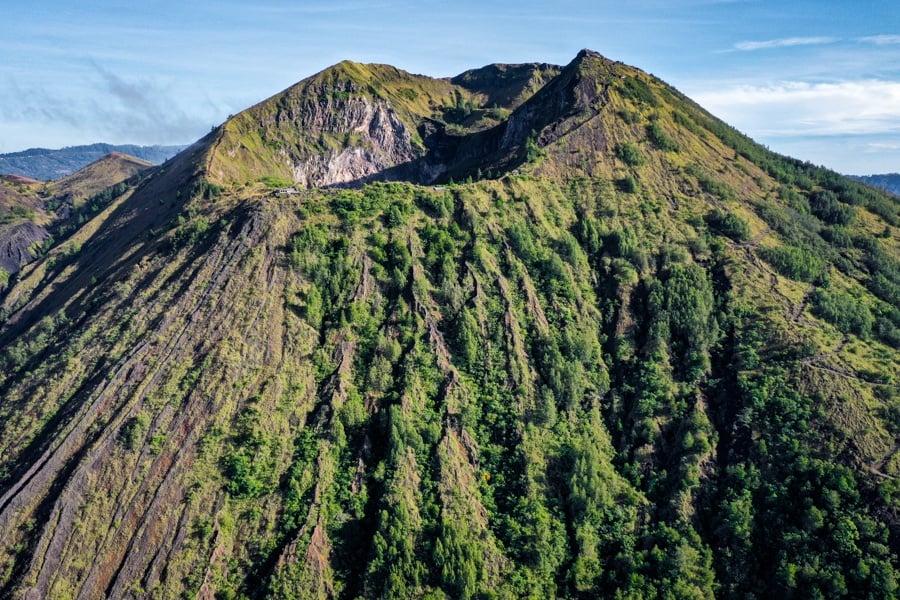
[[97, 176], [45, 164], [638, 355], [33, 212]]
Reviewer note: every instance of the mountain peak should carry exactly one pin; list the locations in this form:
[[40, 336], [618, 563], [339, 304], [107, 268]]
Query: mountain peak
[[507, 85], [100, 174], [353, 122], [352, 71], [586, 53], [591, 64]]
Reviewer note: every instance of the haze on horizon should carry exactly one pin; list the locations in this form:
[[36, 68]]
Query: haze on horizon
[[818, 80]]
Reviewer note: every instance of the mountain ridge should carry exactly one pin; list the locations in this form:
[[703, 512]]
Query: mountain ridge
[[889, 182], [412, 127], [49, 164]]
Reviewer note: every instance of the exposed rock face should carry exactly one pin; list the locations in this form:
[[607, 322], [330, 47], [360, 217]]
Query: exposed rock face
[[17, 243], [563, 104], [352, 124], [382, 141]]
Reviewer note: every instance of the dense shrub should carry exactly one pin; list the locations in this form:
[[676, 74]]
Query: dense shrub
[[825, 206], [687, 307], [843, 311], [710, 184], [627, 184], [838, 236], [887, 332], [660, 138], [728, 224], [795, 263], [629, 154], [638, 90], [438, 203]]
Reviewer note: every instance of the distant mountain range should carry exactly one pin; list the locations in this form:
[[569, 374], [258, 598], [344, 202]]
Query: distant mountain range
[[888, 181], [45, 164]]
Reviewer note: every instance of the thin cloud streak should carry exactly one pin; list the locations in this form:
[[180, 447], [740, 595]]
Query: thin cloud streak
[[784, 43], [881, 40], [882, 146], [810, 109], [139, 111]]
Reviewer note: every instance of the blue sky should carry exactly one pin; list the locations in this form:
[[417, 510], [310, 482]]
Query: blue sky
[[819, 80]]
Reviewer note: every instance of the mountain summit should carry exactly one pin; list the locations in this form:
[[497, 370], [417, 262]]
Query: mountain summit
[[531, 331], [353, 123]]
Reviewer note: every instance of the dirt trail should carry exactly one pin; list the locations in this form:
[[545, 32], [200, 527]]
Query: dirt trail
[[877, 468]]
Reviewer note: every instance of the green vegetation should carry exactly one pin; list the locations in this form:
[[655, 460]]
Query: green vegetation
[[532, 151], [16, 213], [192, 227], [795, 263], [629, 154], [627, 184], [729, 225], [710, 184], [826, 207], [637, 89], [660, 138], [843, 311], [134, 430], [272, 181]]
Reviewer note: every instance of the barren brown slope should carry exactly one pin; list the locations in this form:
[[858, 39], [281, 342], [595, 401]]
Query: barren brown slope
[[22, 223], [16, 191]]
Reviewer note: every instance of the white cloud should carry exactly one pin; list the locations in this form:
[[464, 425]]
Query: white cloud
[[881, 40], [783, 43], [882, 146], [809, 109], [120, 109]]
